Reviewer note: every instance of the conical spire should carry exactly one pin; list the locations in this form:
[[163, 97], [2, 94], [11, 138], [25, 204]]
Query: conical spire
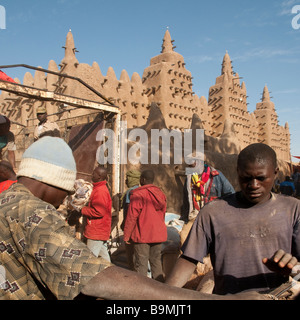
[[124, 76], [70, 50], [266, 94], [167, 45], [226, 65]]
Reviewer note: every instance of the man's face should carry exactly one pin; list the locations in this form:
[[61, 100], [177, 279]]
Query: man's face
[[256, 180], [41, 117], [55, 196]]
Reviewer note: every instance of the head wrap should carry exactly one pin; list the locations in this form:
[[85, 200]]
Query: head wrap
[[133, 178]]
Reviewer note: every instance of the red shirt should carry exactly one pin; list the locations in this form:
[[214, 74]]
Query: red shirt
[[98, 213], [6, 184], [145, 220]]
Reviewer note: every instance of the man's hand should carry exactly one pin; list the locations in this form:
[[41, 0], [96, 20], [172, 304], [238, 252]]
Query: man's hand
[[281, 262]]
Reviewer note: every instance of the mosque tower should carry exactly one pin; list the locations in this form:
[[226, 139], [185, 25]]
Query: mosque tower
[[269, 130], [228, 100], [168, 83], [266, 117], [68, 65]]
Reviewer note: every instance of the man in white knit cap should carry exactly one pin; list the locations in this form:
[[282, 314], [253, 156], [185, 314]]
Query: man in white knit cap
[[39, 259]]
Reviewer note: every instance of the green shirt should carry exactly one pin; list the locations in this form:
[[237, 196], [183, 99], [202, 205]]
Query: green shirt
[[38, 257]]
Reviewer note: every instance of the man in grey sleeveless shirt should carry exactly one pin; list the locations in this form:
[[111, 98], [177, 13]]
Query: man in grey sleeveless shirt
[[252, 236]]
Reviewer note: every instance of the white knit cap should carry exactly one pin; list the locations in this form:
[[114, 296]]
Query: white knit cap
[[49, 160]]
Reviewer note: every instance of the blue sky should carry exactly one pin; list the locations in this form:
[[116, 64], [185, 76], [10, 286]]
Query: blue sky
[[126, 34]]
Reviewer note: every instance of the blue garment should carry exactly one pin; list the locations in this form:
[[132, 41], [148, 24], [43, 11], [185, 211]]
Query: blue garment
[[127, 196], [125, 204], [221, 186], [287, 188]]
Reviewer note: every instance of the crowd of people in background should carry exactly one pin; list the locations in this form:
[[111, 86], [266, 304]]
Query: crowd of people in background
[[251, 236], [290, 186]]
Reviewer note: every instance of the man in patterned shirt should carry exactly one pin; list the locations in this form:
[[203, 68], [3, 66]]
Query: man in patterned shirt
[[40, 260]]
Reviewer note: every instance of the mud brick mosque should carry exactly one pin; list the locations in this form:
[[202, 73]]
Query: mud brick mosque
[[167, 83]]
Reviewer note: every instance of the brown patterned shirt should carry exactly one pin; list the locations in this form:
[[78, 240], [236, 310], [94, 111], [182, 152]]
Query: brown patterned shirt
[[38, 257]]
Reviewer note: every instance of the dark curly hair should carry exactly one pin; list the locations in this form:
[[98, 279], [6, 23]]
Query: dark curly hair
[[257, 152]]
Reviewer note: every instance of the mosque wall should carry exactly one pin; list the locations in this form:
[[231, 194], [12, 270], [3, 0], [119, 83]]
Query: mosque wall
[[224, 116]]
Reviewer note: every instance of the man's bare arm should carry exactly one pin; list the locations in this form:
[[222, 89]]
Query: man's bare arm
[[181, 272], [115, 283]]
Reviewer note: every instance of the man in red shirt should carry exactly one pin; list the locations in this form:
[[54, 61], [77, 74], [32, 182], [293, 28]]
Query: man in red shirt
[[145, 225], [7, 175], [98, 214]]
